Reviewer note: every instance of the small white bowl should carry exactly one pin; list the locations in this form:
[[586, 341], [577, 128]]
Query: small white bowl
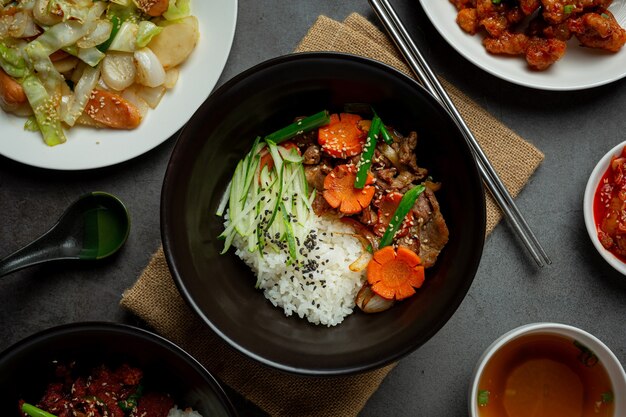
[[590, 191], [605, 356]]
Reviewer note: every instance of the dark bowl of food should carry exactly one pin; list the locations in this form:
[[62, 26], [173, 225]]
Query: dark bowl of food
[[323, 214], [109, 369]]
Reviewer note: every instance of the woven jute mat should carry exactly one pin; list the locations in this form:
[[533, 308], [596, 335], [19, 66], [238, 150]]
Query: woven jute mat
[[155, 299]]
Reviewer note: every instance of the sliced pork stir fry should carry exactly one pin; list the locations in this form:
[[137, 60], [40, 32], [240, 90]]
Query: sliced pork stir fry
[[394, 170]]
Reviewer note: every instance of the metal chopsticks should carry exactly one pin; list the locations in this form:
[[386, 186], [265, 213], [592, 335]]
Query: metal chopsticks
[[420, 67]]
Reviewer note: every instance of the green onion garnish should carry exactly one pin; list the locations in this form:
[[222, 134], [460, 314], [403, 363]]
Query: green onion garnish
[[365, 162], [607, 397], [483, 397], [406, 204], [297, 128], [568, 8], [33, 411]]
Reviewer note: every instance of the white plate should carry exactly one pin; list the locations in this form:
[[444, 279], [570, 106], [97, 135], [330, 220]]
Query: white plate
[[88, 148], [580, 68]]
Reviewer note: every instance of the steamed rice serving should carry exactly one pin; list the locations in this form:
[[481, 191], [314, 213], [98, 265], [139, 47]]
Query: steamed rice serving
[[332, 212], [322, 288]]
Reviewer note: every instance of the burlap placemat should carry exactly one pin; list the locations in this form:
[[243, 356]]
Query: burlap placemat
[[156, 300]]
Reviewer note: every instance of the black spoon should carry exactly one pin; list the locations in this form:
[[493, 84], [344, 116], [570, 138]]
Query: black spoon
[[93, 227]]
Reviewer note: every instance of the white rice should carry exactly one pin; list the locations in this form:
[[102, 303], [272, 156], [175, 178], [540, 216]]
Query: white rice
[[188, 412], [321, 288]]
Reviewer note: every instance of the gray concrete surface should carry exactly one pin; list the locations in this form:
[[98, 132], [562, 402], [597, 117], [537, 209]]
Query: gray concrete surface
[[573, 129]]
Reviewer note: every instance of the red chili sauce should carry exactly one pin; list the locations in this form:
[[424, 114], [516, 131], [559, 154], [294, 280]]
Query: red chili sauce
[[104, 392], [609, 207]]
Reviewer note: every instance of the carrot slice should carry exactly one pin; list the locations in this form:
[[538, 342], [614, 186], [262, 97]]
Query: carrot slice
[[339, 191], [386, 209], [395, 275], [342, 137]]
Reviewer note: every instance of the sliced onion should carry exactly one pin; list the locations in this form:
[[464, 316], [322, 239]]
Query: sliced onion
[[18, 25], [361, 263], [370, 302], [118, 70], [66, 65], [131, 95], [150, 72], [151, 95], [100, 33], [391, 154], [42, 14]]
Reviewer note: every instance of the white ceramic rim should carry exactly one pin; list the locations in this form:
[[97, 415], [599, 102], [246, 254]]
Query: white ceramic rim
[[605, 355], [590, 224]]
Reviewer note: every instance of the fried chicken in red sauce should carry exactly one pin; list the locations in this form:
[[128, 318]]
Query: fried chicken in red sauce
[[539, 29]]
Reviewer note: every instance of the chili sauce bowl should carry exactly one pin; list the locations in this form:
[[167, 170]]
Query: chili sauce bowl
[[588, 207], [557, 368], [27, 367]]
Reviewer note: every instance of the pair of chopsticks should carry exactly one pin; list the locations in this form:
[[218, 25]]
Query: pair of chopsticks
[[424, 74]]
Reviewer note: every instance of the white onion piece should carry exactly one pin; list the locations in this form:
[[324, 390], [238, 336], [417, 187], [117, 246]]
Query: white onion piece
[[151, 95], [42, 15], [66, 65], [150, 72], [18, 25], [31, 29], [370, 302], [391, 154], [361, 263], [131, 95], [100, 33], [171, 78], [118, 70]]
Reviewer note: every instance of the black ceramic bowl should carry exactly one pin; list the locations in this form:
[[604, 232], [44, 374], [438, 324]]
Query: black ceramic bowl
[[27, 367], [220, 288]]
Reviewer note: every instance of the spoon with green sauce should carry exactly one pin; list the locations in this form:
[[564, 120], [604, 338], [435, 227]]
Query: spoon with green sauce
[[93, 227]]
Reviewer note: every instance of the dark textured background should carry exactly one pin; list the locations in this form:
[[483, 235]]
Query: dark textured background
[[573, 129]]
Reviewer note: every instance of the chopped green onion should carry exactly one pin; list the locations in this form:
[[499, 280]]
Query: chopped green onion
[[587, 357], [385, 134], [483, 397], [31, 124], [568, 8], [383, 131], [604, 15], [406, 204], [365, 162], [607, 397], [297, 128], [33, 411], [495, 1], [132, 400]]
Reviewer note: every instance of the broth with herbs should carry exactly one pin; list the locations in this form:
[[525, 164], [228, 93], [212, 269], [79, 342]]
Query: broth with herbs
[[544, 375]]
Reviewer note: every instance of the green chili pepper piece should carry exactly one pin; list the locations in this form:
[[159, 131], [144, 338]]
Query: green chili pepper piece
[[33, 411], [117, 24], [406, 204], [365, 162], [297, 128]]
